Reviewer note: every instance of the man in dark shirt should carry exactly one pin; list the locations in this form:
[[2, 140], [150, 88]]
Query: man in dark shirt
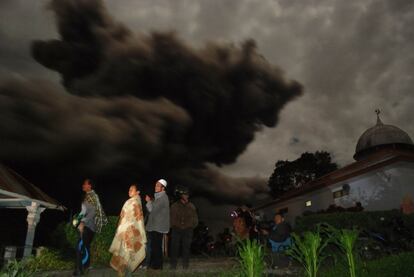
[[279, 236], [183, 221]]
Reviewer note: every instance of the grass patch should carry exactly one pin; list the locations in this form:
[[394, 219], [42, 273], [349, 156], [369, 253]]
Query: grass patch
[[391, 266]]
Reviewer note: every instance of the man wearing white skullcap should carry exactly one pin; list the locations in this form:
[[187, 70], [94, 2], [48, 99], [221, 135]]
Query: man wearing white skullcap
[[158, 222], [162, 182]]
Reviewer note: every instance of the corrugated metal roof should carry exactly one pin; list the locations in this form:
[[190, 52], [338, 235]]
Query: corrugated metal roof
[[15, 186]]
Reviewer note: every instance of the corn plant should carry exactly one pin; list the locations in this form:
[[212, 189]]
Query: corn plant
[[345, 239], [251, 258], [307, 250]]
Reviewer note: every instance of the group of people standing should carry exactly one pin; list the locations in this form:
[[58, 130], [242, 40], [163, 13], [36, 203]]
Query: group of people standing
[[138, 240]]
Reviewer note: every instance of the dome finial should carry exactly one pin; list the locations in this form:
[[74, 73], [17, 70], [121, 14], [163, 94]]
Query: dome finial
[[379, 122], [381, 136]]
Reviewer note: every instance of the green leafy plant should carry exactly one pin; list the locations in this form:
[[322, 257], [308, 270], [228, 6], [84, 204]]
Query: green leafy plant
[[251, 258], [307, 250], [346, 239], [18, 269], [390, 266], [68, 236], [49, 259]]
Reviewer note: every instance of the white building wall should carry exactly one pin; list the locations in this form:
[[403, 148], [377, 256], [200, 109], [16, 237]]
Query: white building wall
[[382, 189], [320, 200]]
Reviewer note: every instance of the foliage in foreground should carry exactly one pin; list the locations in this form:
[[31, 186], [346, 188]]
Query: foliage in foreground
[[307, 250], [251, 258], [17, 269], [47, 260], [345, 240], [66, 237], [392, 266]]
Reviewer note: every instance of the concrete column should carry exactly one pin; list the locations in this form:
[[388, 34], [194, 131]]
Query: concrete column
[[33, 218]]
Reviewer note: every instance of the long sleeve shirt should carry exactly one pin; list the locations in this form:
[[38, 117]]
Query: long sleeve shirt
[[159, 213], [183, 216], [280, 232], [89, 213]]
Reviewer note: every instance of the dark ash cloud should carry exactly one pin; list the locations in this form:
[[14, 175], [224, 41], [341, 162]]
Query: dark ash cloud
[[42, 123], [149, 105]]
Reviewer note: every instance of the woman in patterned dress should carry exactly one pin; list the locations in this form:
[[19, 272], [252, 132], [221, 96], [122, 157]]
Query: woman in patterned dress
[[128, 246]]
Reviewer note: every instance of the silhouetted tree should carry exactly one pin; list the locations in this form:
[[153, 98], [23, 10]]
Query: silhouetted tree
[[289, 175]]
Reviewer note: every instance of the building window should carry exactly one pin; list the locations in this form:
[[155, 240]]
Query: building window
[[338, 194], [342, 191], [283, 211], [308, 203]]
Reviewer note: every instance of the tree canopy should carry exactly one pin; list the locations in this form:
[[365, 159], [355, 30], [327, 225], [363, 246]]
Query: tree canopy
[[289, 175]]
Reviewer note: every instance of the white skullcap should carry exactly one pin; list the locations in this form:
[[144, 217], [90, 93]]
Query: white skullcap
[[162, 182]]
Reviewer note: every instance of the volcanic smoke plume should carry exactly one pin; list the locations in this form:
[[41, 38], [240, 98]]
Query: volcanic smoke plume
[[141, 106]]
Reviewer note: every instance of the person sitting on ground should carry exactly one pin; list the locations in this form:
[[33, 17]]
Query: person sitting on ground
[[241, 230], [279, 235], [244, 223]]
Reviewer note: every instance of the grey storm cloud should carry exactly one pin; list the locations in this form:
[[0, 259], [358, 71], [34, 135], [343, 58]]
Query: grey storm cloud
[[146, 103], [351, 56], [41, 122]]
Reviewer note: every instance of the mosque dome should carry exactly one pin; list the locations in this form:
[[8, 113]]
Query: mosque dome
[[379, 136]]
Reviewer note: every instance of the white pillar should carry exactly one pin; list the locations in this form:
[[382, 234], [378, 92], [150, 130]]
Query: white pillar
[[33, 218]]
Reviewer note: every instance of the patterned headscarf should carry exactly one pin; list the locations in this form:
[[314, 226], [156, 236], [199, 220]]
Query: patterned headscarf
[[100, 217]]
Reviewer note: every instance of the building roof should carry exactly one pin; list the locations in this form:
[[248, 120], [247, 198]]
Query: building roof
[[379, 135], [378, 159], [17, 192]]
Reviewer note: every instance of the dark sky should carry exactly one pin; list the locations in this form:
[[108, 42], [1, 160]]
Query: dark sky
[[197, 102]]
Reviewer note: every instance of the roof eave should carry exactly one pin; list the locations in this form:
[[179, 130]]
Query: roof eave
[[20, 197]]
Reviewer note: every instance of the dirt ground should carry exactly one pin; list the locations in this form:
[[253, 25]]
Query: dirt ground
[[201, 267]]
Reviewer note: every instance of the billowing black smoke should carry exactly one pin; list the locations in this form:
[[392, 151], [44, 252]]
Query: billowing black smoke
[[141, 106]]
